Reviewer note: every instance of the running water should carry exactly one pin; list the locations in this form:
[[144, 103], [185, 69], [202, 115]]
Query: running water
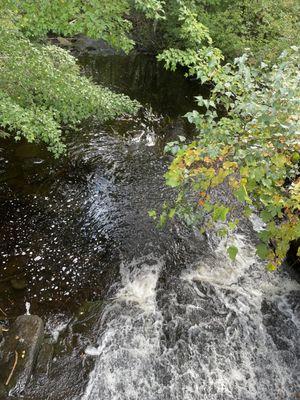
[[220, 330], [160, 314]]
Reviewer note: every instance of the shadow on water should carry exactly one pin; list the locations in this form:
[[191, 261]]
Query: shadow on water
[[144, 78]]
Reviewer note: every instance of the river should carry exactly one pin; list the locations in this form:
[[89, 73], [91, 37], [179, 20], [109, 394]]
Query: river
[[137, 312]]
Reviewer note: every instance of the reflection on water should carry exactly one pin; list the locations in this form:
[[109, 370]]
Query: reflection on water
[[144, 78]]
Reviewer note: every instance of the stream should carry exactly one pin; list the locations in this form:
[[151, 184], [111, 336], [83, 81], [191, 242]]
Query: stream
[[136, 312]]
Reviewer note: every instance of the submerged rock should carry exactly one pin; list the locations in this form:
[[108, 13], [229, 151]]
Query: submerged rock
[[19, 352]]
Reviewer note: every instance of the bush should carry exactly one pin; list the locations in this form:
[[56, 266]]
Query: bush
[[249, 139]]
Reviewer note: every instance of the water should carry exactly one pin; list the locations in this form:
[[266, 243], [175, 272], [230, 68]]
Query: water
[[136, 312], [66, 225], [217, 331]]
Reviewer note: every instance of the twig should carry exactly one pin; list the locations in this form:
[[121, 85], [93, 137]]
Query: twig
[[13, 368], [3, 312]]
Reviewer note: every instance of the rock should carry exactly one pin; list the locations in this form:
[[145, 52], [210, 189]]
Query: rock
[[84, 45], [64, 42], [3, 328], [44, 359], [19, 352], [3, 393]]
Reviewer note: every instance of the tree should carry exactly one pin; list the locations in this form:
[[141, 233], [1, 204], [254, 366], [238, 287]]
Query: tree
[[41, 89], [266, 27]]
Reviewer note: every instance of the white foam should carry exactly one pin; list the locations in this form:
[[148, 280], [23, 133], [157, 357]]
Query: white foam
[[139, 284], [220, 269], [131, 331], [208, 339], [27, 306], [56, 325]]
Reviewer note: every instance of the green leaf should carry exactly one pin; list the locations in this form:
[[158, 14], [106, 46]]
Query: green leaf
[[247, 211], [262, 250], [271, 267], [220, 213], [162, 219], [264, 235], [222, 232], [232, 252], [266, 216], [242, 195], [152, 214], [207, 206], [173, 178], [233, 224], [172, 212]]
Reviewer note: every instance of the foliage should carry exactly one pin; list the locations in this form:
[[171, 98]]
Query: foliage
[[94, 18], [153, 9], [41, 89], [248, 140], [266, 27], [248, 107], [201, 59], [248, 134]]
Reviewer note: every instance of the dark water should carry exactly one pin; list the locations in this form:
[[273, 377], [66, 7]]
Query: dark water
[[143, 78], [150, 314], [65, 225]]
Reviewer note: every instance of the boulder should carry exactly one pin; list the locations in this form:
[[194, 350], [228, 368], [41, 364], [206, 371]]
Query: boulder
[[19, 352]]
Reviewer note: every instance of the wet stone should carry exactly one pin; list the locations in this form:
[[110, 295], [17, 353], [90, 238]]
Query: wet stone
[[3, 328], [44, 359], [3, 393], [19, 352]]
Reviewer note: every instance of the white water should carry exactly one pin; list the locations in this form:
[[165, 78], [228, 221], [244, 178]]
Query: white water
[[27, 307], [218, 331]]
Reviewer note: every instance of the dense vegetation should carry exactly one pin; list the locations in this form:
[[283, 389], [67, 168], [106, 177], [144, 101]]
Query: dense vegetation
[[267, 27], [253, 146], [248, 132], [41, 90]]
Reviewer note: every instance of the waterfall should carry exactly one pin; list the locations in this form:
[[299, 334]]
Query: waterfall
[[218, 331]]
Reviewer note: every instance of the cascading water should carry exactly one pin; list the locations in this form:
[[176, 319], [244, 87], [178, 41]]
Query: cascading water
[[129, 344], [205, 334]]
